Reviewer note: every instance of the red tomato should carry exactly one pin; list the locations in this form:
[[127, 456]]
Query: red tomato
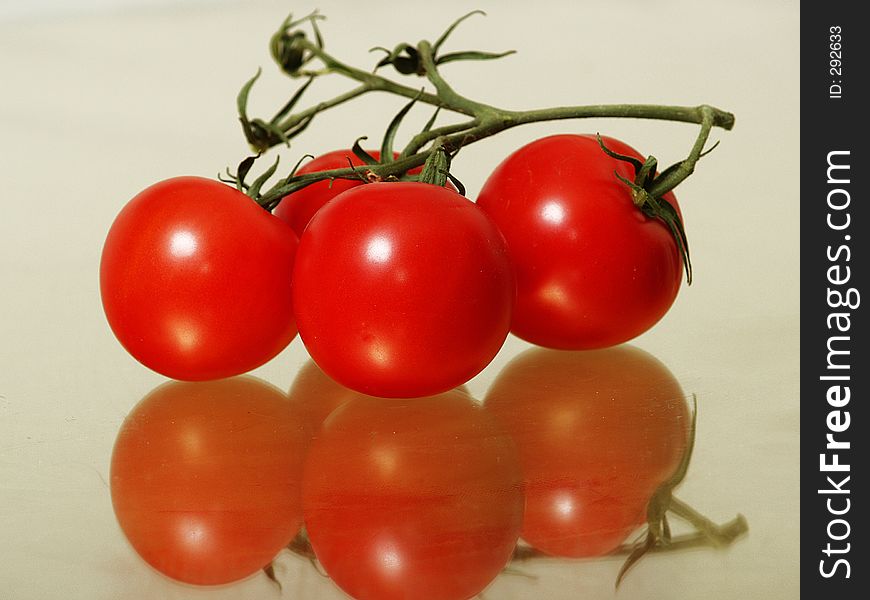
[[195, 280], [402, 289], [298, 208], [592, 270], [597, 433], [206, 478], [412, 499]]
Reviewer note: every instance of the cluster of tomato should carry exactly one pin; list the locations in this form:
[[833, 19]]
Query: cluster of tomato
[[398, 289], [422, 498]]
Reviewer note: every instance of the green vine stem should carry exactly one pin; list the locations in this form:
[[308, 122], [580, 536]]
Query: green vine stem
[[294, 52]]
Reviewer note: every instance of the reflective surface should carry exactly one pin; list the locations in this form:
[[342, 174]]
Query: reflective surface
[[98, 107], [206, 478]]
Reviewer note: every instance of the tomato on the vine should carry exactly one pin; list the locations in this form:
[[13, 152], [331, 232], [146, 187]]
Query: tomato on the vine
[[592, 270], [298, 208], [412, 498], [205, 478], [195, 280], [402, 289], [597, 433]]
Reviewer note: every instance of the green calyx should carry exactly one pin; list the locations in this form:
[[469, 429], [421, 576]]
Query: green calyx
[[648, 189], [408, 59], [436, 169], [288, 45]]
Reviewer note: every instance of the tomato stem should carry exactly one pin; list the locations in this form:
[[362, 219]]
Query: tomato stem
[[437, 166], [717, 536], [294, 51]]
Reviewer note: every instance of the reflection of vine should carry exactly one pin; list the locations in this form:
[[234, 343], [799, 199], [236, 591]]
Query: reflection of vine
[[710, 535], [300, 546], [707, 535], [657, 537], [725, 534]]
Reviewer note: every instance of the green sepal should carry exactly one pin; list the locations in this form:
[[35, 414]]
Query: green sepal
[[653, 207], [242, 172], [242, 106], [647, 171], [270, 206], [296, 130], [318, 37], [254, 189], [299, 164], [392, 128], [459, 186], [443, 37], [228, 179], [431, 122], [361, 154], [471, 55], [294, 99], [262, 135], [629, 159], [675, 223]]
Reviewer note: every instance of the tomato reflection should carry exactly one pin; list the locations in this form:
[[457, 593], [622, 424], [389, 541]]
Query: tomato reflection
[[316, 395], [412, 498], [205, 478], [597, 432]]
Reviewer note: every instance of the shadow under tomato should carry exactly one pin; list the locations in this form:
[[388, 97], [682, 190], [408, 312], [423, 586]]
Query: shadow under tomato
[[205, 478], [597, 432], [316, 395]]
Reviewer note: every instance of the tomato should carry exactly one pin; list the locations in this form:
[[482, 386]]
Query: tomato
[[412, 498], [402, 289], [592, 270], [597, 432], [298, 208], [195, 280], [205, 478]]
